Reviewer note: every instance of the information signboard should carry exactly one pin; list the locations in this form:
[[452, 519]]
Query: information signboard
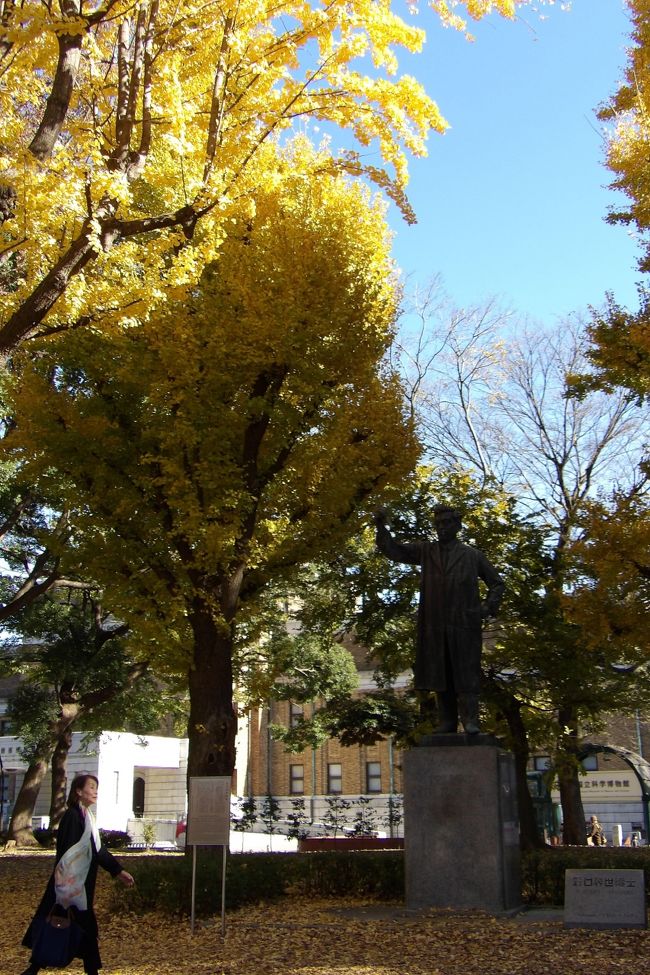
[[208, 815], [208, 824]]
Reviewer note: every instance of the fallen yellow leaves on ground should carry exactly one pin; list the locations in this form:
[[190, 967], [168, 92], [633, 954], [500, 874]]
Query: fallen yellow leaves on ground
[[294, 936]]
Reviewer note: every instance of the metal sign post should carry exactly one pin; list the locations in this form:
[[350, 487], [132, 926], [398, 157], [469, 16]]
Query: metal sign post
[[208, 824]]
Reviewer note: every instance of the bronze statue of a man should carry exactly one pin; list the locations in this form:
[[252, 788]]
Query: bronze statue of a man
[[450, 615]]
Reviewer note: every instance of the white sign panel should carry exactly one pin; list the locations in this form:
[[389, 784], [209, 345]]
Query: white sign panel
[[208, 814]]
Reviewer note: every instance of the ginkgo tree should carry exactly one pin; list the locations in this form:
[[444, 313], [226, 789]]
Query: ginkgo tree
[[621, 337], [610, 595], [132, 135], [230, 438]]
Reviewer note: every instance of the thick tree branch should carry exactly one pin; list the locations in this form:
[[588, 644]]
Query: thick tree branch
[[15, 515], [43, 576], [58, 102], [65, 76], [87, 702], [28, 316], [8, 10], [218, 106]]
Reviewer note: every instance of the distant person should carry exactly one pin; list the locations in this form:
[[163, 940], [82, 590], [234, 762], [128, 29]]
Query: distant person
[[596, 833], [450, 616], [79, 852]]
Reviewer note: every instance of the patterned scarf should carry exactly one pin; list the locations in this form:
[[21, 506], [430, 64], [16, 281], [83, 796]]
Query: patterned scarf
[[72, 869]]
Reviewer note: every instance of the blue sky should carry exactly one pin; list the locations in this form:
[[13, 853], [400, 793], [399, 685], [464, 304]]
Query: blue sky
[[511, 200]]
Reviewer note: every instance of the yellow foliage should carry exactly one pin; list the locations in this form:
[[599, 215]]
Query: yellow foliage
[[610, 597], [133, 131], [621, 338], [629, 115], [238, 430]]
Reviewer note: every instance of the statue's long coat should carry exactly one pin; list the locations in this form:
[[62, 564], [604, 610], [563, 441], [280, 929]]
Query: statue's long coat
[[450, 612]]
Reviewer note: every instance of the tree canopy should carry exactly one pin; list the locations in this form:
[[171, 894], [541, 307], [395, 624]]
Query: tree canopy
[[610, 596], [233, 436], [79, 668], [621, 337], [134, 133]]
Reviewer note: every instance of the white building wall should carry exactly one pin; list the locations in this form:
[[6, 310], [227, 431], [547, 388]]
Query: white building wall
[[242, 751], [120, 754], [113, 758]]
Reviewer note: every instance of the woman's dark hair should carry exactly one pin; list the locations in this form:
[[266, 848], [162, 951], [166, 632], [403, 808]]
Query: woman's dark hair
[[79, 782]]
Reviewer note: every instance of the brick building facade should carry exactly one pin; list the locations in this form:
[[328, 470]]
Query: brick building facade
[[314, 775]]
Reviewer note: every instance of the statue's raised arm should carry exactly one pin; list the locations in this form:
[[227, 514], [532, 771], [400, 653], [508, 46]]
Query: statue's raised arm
[[408, 552]]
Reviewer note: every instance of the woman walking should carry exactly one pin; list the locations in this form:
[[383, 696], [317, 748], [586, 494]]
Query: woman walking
[[79, 852]]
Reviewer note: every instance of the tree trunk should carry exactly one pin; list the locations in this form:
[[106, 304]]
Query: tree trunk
[[59, 778], [529, 836], [510, 707], [574, 831], [20, 827], [58, 102], [212, 723]]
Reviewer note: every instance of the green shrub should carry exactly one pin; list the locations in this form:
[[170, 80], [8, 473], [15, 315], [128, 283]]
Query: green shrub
[[149, 834], [115, 839], [166, 884], [362, 873]]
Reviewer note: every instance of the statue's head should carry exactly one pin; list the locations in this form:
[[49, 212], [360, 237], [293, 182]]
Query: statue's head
[[448, 522]]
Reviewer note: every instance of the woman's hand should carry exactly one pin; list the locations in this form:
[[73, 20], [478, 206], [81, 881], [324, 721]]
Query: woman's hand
[[126, 879]]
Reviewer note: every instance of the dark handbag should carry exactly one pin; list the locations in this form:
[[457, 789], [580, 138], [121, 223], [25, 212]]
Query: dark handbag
[[56, 940]]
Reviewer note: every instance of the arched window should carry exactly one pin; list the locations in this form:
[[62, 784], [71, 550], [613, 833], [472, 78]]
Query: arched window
[[138, 797]]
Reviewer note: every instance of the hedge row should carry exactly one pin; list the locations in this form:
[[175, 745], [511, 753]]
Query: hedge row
[[165, 884], [114, 839], [543, 870]]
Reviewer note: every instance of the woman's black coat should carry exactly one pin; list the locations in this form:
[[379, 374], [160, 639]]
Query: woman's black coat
[[71, 829]]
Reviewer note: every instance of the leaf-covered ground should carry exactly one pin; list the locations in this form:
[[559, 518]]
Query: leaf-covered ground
[[298, 937]]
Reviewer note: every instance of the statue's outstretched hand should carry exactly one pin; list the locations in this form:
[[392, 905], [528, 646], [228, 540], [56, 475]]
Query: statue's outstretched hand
[[380, 517]]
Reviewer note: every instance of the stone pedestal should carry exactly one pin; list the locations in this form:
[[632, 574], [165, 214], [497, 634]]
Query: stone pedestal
[[461, 829]]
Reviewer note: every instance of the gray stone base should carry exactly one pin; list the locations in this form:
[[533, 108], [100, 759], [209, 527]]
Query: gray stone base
[[461, 830]]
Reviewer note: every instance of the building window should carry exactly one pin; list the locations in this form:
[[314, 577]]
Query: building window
[[542, 763], [334, 777], [296, 713], [590, 763], [297, 780], [373, 776], [5, 726]]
